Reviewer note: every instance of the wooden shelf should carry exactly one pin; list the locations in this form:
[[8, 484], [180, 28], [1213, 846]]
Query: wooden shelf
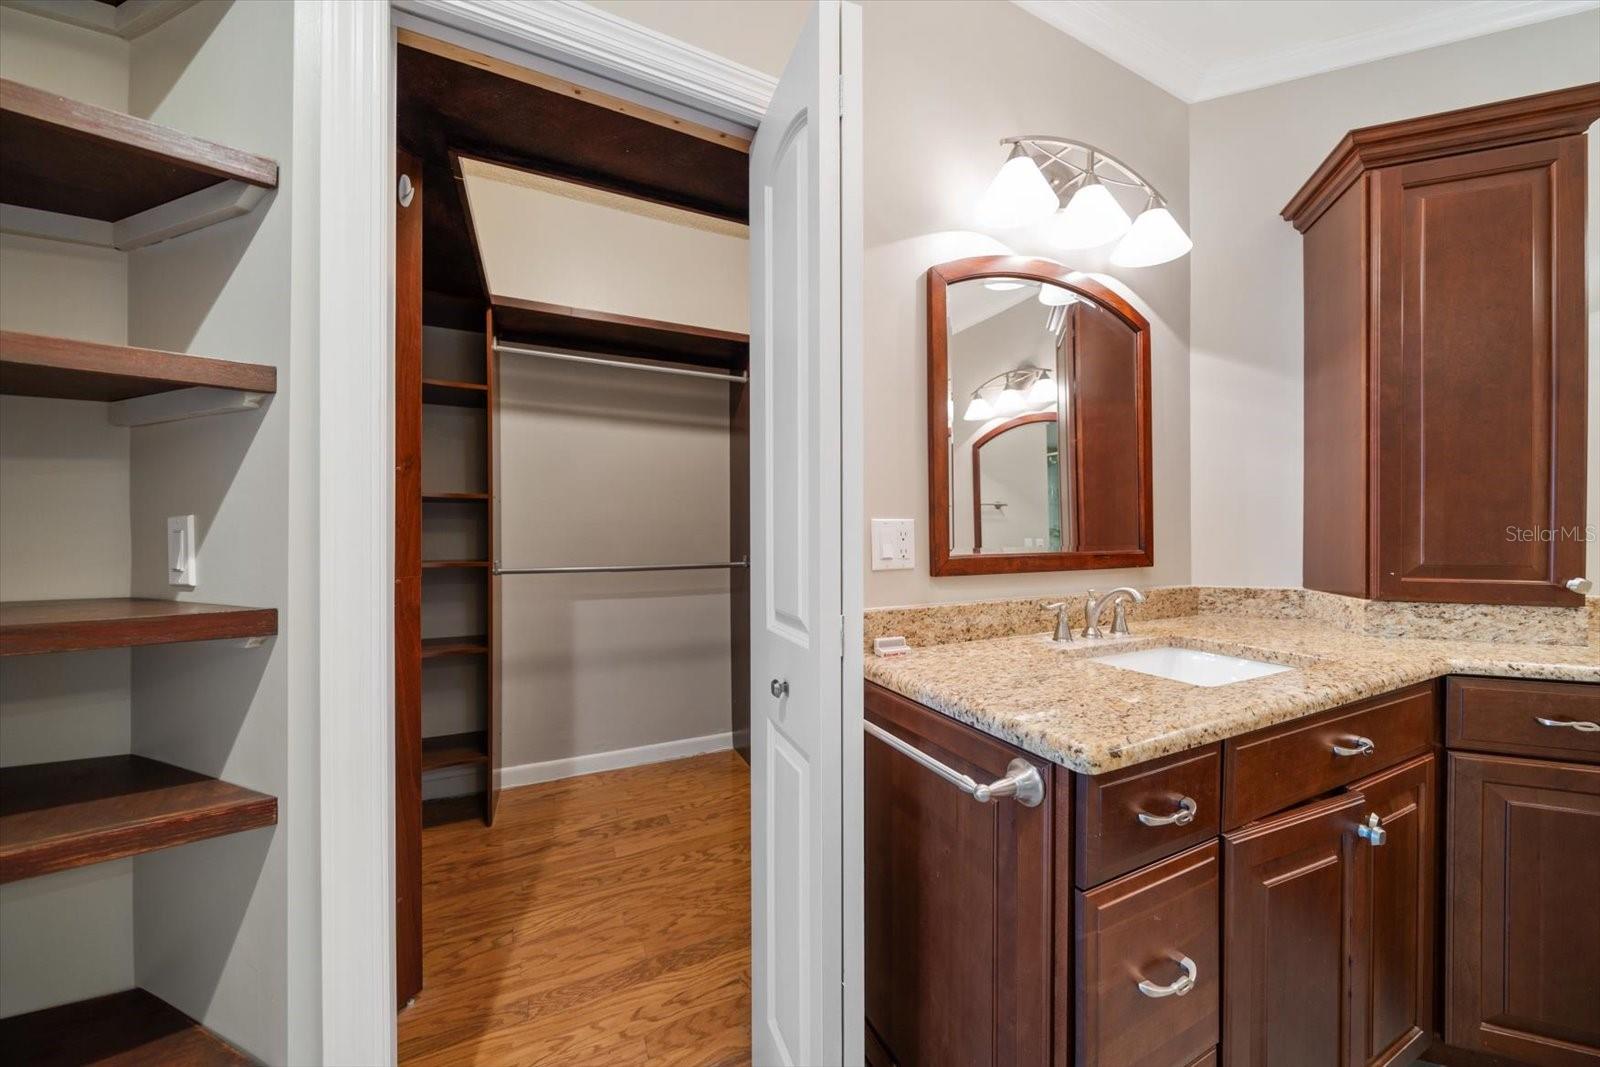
[[454, 498], [128, 1029], [454, 394], [56, 816], [534, 323], [455, 750], [436, 647], [35, 365], [144, 182], [453, 564], [33, 626]]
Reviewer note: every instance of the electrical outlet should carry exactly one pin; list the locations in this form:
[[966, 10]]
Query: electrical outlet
[[894, 544], [182, 566]]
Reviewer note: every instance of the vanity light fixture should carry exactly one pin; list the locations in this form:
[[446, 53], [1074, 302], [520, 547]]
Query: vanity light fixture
[[1010, 393], [1084, 179]]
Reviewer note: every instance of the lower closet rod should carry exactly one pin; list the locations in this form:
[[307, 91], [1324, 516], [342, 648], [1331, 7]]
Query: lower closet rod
[[625, 567]]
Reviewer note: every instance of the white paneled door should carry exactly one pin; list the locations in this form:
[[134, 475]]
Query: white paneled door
[[803, 334]]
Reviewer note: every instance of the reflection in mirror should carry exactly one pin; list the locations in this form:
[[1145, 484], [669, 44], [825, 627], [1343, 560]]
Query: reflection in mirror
[[1046, 439]]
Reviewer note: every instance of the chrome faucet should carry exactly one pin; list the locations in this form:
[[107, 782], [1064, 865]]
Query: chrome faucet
[[1063, 624], [1096, 607]]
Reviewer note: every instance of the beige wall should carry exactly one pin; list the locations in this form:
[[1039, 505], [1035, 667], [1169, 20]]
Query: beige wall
[[603, 466], [1251, 152], [760, 34], [210, 919]]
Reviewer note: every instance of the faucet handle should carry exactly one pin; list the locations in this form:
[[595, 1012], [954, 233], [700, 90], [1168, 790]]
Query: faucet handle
[[1063, 626], [1119, 619]]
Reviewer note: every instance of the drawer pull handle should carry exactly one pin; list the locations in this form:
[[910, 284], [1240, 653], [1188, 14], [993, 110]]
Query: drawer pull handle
[[1022, 779], [1362, 746], [1176, 989], [1577, 724], [1373, 830], [1182, 817]]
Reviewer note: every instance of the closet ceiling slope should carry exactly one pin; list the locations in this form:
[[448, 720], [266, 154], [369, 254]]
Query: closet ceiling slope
[[446, 104]]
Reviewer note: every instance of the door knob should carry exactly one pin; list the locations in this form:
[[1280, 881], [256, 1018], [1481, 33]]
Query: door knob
[[1579, 585], [780, 689]]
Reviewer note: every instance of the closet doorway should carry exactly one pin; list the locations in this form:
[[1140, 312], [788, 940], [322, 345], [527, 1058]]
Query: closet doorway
[[793, 622], [572, 596]]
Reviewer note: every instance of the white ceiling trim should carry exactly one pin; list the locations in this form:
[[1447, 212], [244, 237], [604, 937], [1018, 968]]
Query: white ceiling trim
[[1098, 24], [600, 43]]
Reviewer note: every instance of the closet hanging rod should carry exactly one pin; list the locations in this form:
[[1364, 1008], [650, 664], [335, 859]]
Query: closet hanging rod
[[568, 357], [626, 567]]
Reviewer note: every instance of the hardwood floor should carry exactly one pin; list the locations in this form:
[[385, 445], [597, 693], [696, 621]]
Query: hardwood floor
[[601, 920]]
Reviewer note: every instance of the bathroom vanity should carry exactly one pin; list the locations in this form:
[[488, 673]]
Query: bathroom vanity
[[1387, 873]]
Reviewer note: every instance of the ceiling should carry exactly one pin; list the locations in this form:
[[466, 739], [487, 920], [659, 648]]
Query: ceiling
[[1199, 49]]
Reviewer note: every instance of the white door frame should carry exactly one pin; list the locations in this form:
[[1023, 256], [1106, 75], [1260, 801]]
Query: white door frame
[[344, 74]]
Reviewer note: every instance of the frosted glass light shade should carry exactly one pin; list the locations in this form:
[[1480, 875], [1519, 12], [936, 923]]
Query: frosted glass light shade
[[1052, 296], [1010, 402], [1091, 218], [1002, 285], [979, 410], [1018, 196], [1155, 238], [1043, 390]]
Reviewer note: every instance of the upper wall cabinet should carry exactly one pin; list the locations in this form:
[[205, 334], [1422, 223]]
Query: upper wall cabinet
[[1445, 356]]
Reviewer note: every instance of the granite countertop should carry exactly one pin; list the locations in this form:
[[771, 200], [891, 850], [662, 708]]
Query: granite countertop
[[1091, 717]]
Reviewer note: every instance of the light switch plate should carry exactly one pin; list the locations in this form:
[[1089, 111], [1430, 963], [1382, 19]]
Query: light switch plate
[[894, 544], [181, 564]]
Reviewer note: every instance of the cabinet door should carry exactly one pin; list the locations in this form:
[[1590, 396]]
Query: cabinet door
[[958, 899], [1480, 444], [1523, 959], [1392, 1011], [1291, 885]]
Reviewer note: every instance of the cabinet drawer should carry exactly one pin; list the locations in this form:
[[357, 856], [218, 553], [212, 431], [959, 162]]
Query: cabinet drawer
[[1136, 930], [1177, 797], [1273, 769], [1502, 715]]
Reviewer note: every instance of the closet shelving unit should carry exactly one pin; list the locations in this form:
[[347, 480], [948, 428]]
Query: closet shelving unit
[[82, 173]]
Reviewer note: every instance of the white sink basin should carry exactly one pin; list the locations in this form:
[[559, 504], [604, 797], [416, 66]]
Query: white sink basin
[[1192, 666]]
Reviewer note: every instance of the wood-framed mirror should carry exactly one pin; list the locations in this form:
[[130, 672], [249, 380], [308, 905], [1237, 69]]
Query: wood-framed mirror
[[1038, 420]]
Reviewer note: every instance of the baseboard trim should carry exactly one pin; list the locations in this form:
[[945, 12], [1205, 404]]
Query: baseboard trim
[[615, 760]]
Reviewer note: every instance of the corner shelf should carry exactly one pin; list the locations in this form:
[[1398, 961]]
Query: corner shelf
[[454, 498], [128, 1029], [57, 816], [455, 750], [28, 627], [454, 564], [454, 394], [79, 172], [144, 385], [438, 647]]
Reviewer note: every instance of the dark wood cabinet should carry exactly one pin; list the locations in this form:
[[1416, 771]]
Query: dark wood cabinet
[[1523, 955], [1392, 1015], [1332, 929], [1445, 355], [960, 899], [1290, 909]]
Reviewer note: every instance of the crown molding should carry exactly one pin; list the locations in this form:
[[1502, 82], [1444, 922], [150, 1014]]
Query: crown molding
[[599, 43], [1562, 113], [1106, 29]]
